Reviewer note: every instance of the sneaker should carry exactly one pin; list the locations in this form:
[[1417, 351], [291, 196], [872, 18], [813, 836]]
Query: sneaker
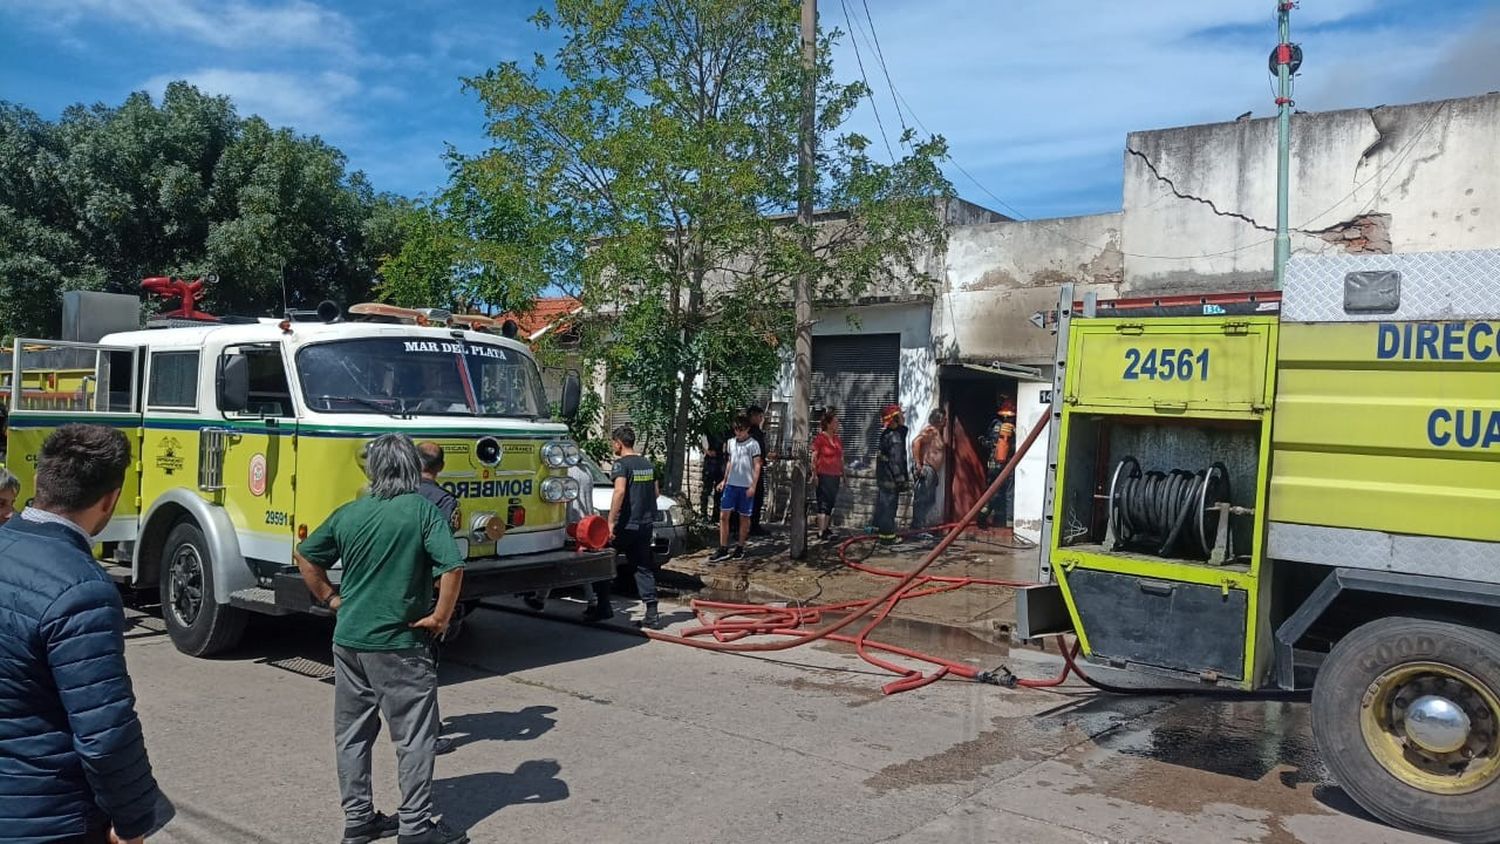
[[438, 833], [826, 535], [380, 826], [720, 555], [596, 613], [738, 553], [443, 746], [652, 620]]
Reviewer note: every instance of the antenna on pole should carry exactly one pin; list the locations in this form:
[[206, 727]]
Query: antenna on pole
[[1286, 59], [286, 305]]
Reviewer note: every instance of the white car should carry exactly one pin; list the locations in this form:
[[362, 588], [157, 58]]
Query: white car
[[671, 517]]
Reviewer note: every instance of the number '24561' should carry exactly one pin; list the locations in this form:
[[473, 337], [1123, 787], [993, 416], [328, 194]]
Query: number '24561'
[[1166, 365]]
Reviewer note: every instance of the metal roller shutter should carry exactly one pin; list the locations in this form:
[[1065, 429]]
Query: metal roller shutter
[[859, 374]]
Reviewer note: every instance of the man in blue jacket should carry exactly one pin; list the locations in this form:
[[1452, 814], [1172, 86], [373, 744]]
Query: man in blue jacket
[[73, 764]]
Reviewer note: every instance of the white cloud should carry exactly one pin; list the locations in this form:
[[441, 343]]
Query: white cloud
[[225, 24], [1030, 94], [310, 102]]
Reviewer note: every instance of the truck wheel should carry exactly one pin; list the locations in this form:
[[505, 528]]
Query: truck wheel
[[1406, 713], [198, 625]]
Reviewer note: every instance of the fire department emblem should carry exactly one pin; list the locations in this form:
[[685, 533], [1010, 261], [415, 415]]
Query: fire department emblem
[[258, 474]]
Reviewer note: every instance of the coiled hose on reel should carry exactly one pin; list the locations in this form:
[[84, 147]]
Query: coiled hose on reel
[[1169, 514]]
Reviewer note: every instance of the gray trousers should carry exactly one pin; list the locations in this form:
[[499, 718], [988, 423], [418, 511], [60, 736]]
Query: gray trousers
[[402, 686]]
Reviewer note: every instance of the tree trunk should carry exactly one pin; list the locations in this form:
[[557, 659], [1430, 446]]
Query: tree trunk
[[677, 437]]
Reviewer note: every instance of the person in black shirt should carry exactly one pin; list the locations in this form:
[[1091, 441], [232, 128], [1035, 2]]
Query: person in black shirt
[[757, 416], [632, 517], [891, 474], [432, 465]]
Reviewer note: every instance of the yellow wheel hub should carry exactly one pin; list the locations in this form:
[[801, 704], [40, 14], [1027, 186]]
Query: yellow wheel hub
[[1434, 727]]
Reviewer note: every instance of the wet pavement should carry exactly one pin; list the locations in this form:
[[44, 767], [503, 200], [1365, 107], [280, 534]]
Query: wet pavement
[[568, 733]]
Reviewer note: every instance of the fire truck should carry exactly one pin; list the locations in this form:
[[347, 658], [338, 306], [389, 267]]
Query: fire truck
[[1298, 490], [249, 432]]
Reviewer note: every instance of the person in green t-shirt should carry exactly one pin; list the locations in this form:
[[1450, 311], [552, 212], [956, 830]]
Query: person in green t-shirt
[[392, 543]]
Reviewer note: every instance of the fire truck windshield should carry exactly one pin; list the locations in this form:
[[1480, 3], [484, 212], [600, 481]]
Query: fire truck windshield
[[403, 377]]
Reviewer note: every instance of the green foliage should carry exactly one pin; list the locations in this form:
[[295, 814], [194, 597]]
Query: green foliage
[[105, 196], [480, 244], [657, 151]]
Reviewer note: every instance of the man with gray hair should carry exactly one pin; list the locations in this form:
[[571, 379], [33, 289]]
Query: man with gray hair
[[392, 543]]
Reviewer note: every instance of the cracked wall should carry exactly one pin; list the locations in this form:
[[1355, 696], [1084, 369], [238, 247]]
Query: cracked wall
[[998, 274], [1200, 201]]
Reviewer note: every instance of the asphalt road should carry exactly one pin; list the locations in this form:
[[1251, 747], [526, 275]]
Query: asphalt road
[[570, 734]]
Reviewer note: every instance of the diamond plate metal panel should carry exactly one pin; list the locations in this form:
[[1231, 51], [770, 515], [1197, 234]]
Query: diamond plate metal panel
[[1434, 286], [1368, 549]]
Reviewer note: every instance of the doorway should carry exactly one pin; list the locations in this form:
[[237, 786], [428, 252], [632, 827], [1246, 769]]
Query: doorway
[[970, 396]]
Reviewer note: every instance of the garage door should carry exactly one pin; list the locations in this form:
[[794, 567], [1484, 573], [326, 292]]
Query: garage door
[[859, 375]]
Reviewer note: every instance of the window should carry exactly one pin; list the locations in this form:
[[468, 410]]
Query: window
[[174, 380], [423, 376], [270, 394]]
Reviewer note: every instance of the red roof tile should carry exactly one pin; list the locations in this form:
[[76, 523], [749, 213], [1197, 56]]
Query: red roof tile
[[544, 312]]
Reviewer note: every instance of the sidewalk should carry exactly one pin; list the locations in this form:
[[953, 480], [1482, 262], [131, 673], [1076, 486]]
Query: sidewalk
[[768, 574]]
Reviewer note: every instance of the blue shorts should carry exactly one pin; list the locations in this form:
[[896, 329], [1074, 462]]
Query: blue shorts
[[737, 499]]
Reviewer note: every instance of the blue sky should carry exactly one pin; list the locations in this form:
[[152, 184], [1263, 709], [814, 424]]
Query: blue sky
[[1035, 97]]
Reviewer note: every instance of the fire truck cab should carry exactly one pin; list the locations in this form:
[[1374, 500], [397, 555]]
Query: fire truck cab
[[248, 433]]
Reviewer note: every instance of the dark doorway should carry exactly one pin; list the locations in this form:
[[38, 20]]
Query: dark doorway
[[971, 397]]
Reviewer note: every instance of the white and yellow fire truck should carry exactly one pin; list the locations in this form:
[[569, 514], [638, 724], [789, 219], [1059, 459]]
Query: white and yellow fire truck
[[1299, 490], [248, 433]]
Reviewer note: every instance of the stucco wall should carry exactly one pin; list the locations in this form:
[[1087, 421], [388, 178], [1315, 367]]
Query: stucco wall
[[998, 274], [1200, 201]]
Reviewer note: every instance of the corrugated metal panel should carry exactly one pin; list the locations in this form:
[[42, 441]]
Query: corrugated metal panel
[[859, 374]]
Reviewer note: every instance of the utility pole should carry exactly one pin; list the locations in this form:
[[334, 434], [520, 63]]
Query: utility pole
[[1285, 60], [801, 409]]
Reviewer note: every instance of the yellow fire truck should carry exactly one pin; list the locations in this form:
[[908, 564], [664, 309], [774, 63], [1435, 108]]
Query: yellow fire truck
[[1299, 491], [248, 433]]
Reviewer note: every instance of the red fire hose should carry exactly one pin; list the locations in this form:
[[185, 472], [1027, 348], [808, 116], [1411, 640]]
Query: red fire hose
[[722, 625]]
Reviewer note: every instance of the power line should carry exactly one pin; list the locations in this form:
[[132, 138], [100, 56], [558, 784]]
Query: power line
[[880, 54], [869, 89]]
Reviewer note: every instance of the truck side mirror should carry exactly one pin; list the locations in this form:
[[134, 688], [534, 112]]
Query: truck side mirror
[[234, 383], [572, 395]]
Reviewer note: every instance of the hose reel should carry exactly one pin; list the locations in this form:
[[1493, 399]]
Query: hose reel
[[1177, 514]]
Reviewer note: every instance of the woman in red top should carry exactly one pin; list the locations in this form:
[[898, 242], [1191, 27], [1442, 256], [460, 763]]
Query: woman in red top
[[828, 464]]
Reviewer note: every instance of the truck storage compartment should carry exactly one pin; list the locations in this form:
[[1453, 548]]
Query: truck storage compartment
[[1132, 620], [1120, 494]]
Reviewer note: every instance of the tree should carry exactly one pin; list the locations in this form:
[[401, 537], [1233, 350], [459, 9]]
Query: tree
[[105, 196], [481, 244], [659, 149]]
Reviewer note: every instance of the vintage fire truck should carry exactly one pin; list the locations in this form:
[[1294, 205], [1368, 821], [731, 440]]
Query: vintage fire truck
[[249, 432], [1299, 490]]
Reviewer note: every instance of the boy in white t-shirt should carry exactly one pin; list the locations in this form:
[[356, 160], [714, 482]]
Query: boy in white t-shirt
[[741, 476]]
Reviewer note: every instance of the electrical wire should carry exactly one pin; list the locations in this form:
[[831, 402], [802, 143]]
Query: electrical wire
[[869, 89]]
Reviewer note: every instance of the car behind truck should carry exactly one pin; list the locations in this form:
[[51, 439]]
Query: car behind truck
[[248, 433], [1299, 489]]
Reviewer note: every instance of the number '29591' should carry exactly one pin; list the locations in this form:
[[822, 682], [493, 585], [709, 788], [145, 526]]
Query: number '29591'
[[1166, 365]]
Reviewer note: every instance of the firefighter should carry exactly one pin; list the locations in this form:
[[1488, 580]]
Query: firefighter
[[998, 442], [891, 475]]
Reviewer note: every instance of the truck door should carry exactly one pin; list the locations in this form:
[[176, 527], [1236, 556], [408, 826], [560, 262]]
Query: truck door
[[54, 383], [258, 470]]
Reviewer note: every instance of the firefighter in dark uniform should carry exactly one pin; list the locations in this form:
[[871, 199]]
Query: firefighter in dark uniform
[[892, 476], [999, 442]]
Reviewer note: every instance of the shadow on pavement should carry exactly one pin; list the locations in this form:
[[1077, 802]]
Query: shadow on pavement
[[525, 725], [470, 799]]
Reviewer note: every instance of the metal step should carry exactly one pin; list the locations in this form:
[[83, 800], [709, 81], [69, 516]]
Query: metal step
[[258, 600]]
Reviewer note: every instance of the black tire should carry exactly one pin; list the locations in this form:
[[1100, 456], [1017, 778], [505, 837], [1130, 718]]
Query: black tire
[[198, 625], [1347, 684]]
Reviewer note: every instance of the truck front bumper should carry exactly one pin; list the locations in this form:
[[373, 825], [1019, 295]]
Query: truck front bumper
[[485, 577]]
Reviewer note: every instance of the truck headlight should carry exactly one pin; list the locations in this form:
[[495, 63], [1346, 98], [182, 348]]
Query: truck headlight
[[571, 453], [554, 455], [558, 490]]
